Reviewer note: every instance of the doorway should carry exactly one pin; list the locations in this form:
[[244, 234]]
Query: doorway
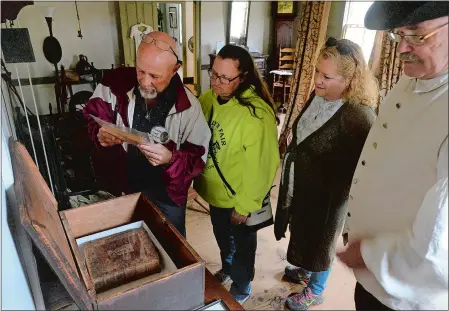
[[178, 19]]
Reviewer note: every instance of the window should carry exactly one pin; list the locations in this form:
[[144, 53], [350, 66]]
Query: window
[[354, 29], [238, 32]]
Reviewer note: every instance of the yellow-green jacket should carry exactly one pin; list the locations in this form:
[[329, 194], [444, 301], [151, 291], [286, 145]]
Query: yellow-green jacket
[[246, 150]]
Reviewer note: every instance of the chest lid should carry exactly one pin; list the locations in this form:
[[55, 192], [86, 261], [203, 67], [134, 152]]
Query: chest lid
[[40, 218]]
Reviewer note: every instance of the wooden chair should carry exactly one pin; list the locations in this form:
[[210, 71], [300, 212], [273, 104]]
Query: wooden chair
[[286, 58]]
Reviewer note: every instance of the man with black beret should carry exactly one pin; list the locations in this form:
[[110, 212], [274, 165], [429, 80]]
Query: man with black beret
[[398, 202]]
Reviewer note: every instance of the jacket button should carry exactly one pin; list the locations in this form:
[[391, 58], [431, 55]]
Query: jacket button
[[375, 145], [354, 181], [349, 214], [385, 125], [398, 105], [363, 163]]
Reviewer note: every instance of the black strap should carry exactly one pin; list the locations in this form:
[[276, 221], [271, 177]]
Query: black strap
[[116, 113], [212, 154]]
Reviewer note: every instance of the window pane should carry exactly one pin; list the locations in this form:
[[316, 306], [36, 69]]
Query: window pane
[[355, 30], [357, 12], [361, 36], [239, 15]]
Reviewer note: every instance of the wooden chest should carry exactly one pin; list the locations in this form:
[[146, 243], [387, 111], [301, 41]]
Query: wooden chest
[[56, 234]]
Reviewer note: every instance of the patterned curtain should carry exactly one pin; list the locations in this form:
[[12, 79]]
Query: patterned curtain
[[385, 63], [311, 36]]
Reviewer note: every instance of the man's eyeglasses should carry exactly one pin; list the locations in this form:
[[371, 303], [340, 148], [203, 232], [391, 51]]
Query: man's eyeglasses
[[162, 45], [412, 39], [343, 49], [223, 80]]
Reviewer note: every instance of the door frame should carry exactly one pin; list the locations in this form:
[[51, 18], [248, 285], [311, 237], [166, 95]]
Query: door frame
[[197, 39], [197, 45]]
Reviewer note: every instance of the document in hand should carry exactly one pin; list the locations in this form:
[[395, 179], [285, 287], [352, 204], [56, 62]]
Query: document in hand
[[128, 135]]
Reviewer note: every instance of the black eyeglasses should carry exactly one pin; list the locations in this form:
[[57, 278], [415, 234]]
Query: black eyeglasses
[[162, 45], [341, 48], [223, 80]]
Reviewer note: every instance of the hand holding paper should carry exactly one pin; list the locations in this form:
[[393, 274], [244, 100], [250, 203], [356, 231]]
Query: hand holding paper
[[106, 139], [156, 154], [125, 134]]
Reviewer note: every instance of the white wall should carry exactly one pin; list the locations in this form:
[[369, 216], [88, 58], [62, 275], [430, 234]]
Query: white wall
[[260, 26], [16, 294], [213, 29], [99, 42]]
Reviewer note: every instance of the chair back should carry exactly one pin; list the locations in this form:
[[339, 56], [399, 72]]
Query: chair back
[[286, 58]]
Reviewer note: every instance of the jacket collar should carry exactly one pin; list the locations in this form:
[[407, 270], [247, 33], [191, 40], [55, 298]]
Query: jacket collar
[[425, 86], [182, 100], [248, 93]]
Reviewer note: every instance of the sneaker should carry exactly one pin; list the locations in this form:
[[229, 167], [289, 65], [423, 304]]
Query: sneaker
[[222, 277], [298, 275], [304, 300], [241, 298]]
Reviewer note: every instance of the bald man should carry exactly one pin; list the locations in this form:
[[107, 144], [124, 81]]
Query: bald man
[[152, 94]]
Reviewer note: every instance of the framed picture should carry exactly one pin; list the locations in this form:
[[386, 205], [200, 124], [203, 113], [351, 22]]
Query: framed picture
[[173, 15]]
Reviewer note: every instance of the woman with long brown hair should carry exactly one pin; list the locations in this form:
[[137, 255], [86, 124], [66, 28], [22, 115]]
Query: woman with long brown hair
[[319, 163], [244, 149]]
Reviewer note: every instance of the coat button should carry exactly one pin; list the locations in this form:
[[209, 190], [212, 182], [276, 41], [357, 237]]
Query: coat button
[[385, 125], [398, 105], [349, 214], [363, 163], [354, 181], [375, 145]]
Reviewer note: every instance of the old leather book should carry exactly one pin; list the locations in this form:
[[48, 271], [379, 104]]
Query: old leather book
[[121, 258]]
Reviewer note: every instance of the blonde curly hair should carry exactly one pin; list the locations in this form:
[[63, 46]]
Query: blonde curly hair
[[363, 87]]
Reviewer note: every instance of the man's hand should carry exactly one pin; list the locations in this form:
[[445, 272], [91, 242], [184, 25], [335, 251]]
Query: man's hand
[[156, 154], [107, 139], [352, 256], [237, 219]]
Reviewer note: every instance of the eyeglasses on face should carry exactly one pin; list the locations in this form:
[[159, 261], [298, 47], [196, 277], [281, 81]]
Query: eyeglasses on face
[[342, 48], [223, 80], [160, 44], [412, 39]]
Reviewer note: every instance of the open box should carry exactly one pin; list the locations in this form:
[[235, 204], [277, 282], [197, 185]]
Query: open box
[[56, 234]]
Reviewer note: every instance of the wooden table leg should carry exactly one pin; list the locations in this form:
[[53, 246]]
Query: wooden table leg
[[282, 109]]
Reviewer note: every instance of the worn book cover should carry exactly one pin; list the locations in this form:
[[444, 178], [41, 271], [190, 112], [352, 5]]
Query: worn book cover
[[121, 258]]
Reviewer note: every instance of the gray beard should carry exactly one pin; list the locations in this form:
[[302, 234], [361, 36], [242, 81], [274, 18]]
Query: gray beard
[[148, 93]]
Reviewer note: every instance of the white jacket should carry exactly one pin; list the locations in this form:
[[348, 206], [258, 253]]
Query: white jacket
[[398, 201]]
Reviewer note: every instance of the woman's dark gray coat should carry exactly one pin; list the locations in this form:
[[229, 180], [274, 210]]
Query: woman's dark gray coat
[[324, 164]]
